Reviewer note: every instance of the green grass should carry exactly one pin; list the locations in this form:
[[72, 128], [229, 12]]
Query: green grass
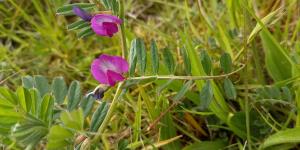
[[263, 35]]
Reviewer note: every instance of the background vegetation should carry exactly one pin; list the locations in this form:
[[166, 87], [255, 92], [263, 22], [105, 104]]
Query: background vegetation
[[255, 108]]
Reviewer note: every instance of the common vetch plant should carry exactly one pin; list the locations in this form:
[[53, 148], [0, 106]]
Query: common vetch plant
[[179, 93]]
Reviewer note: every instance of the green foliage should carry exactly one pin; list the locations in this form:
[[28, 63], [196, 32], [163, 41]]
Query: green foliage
[[225, 62], [282, 137], [98, 116], [229, 89], [74, 95], [186, 60], [73, 119], [181, 93], [59, 89], [111, 5], [206, 62], [59, 137], [141, 54], [169, 60], [132, 57], [67, 9], [29, 118], [84, 27], [29, 131], [87, 104], [206, 95], [154, 57], [278, 62]]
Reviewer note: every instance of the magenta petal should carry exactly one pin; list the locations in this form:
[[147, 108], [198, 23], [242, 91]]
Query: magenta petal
[[120, 63], [105, 25], [113, 63], [111, 28], [109, 69], [106, 63], [114, 77], [99, 18], [97, 73], [99, 30]]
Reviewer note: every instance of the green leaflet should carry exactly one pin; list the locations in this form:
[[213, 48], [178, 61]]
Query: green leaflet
[[206, 95], [46, 109], [36, 102], [137, 55], [186, 60], [24, 98], [85, 32], [141, 54], [111, 4], [41, 83], [206, 62], [59, 137], [169, 60], [7, 95], [59, 89], [74, 95], [132, 58], [28, 82], [73, 119], [229, 89], [183, 91], [87, 104], [99, 116], [30, 131], [226, 63], [78, 25], [74, 25], [154, 57], [67, 9]]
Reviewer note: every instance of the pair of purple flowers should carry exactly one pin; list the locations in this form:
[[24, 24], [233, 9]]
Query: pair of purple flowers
[[106, 69]]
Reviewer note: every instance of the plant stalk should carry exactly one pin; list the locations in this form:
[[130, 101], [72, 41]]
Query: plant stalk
[[167, 77], [122, 28]]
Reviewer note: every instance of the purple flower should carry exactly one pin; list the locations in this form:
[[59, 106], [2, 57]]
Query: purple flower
[[105, 25], [82, 13], [109, 69]]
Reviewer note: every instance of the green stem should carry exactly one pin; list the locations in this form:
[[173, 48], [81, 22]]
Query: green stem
[[109, 114], [122, 26], [167, 77]]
